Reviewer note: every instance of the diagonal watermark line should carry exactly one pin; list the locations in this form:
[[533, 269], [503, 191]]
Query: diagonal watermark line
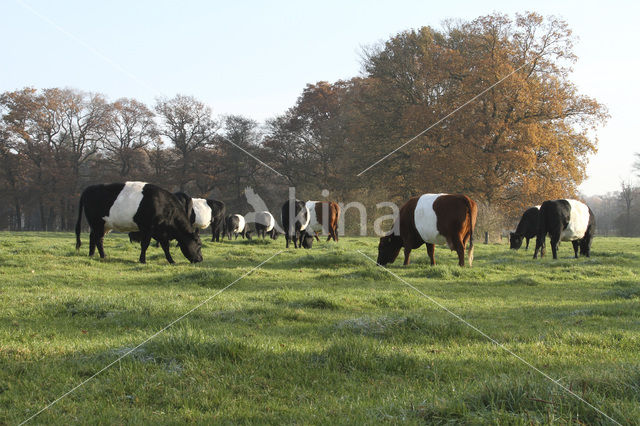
[[87, 46], [123, 70], [252, 156], [449, 115], [51, 404], [494, 341]]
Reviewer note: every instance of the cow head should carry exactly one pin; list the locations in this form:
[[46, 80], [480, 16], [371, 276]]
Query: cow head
[[515, 240], [388, 249], [190, 246], [307, 239]]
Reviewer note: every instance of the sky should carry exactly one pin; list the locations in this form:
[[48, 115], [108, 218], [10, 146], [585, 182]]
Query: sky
[[254, 58]]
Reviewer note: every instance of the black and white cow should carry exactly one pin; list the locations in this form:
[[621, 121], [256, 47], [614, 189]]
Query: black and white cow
[[133, 207], [527, 228], [565, 220], [236, 225], [187, 204], [295, 218], [265, 225]]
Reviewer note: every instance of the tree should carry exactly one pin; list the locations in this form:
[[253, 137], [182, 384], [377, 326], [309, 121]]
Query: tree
[[129, 130], [188, 125], [627, 195], [239, 135], [524, 139], [57, 131]]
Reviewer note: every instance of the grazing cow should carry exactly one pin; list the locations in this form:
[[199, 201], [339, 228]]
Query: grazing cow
[[324, 216], [295, 218], [137, 206], [265, 225], [185, 201], [432, 219], [527, 228], [565, 220], [236, 225]]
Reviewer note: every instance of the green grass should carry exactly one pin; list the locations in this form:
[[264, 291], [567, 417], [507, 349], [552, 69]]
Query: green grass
[[316, 336]]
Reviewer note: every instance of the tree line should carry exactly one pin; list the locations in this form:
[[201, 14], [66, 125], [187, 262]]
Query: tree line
[[526, 138]]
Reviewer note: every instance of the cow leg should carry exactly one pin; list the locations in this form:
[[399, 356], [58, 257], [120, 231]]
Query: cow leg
[[431, 251], [92, 243], [527, 246], [165, 247], [287, 238], [100, 244], [576, 247], [585, 244], [555, 238], [144, 245], [539, 247], [407, 253], [459, 248]]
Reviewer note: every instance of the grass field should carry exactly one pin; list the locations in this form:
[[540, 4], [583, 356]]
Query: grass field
[[316, 336]]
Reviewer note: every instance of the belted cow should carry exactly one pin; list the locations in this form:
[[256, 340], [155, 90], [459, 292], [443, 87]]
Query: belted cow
[[431, 219], [565, 220], [137, 207], [295, 218], [265, 225], [236, 225]]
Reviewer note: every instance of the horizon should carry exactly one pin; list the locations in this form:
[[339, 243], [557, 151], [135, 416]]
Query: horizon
[[211, 53]]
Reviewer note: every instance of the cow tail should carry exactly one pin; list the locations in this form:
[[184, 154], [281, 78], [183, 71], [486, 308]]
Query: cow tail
[[472, 215], [79, 223]]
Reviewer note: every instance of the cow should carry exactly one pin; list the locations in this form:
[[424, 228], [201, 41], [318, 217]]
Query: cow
[[137, 207], [218, 211], [324, 215], [295, 218], [186, 202], [204, 213], [236, 225], [431, 219], [527, 228], [265, 225], [565, 220]]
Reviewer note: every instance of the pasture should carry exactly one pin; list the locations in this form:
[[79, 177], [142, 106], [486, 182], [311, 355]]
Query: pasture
[[316, 336]]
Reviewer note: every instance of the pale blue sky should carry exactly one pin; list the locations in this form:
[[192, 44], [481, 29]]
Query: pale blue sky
[[255, 58]]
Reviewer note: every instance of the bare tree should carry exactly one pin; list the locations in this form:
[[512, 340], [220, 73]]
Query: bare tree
[[627, 195], [187, 124], [130, 129]]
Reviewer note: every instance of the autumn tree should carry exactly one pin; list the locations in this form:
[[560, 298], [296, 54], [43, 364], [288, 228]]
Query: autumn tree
[[525, 138], [57, 131]]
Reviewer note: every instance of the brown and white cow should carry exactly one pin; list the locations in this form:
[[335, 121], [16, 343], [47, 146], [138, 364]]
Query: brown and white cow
[[431, 219], [324, 215]]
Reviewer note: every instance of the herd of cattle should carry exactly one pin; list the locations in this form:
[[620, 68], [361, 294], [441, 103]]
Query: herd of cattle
[[147, 212]]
